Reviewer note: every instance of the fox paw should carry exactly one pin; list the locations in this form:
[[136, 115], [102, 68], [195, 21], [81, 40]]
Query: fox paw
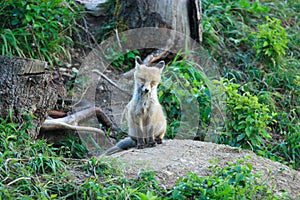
[[152, 144], [158, 140], [140, 146]]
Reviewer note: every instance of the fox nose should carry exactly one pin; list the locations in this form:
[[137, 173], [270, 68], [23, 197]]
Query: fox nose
[[145, 89]]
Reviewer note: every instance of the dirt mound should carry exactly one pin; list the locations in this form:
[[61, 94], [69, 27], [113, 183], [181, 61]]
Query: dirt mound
[[175, 158]]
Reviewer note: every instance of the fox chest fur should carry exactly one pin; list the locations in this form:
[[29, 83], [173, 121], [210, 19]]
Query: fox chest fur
[[142, 105]]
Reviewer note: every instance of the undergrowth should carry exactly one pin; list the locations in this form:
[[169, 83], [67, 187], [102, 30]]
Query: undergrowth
[[261, 54], [34, 170], [233, 181]]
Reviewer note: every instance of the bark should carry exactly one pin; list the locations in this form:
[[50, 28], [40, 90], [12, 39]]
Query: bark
[[180, 15], [25, 88]]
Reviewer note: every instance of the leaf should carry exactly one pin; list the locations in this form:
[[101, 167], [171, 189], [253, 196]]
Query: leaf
[[248, 131], [241, 137], [265, 44], [239, 177]]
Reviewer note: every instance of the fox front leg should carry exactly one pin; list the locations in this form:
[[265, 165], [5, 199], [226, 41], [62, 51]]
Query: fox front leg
[[150, 137], [140, 143], [140, 136]]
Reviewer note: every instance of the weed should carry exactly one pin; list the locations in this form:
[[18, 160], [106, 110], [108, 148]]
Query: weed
[[260, 53], [71, 147], [122, 62], [183, 84], [270, 40], [247, 119]]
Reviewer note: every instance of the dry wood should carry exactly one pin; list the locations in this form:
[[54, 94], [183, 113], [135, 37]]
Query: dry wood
[[71, 122], [25, 88]]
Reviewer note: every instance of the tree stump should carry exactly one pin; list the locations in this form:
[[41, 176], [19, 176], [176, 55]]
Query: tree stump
[[179, 15], [25, 88]]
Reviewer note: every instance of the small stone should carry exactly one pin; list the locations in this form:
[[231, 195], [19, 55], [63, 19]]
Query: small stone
[[75, 70], [68, 65], [76, 64], [61, 69]]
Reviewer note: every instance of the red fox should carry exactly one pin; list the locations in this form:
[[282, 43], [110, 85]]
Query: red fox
[[146, 121]]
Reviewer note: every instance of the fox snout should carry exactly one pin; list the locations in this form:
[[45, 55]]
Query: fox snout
[[145, 89]]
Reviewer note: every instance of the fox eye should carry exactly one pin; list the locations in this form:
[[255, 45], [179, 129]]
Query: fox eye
[[152, 83], [142, 80]]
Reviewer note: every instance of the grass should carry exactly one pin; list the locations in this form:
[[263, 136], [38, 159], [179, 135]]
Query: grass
[[39, 29]]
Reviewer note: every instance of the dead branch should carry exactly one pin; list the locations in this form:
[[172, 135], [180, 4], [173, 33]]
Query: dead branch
[[155, 55], [102, 117], [110, 81], [54, 124], [71, 122]]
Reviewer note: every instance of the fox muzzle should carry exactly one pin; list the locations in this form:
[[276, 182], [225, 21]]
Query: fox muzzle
[[145, 89]]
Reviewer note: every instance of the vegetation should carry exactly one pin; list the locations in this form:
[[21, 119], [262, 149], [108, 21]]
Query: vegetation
[[34, 170], [258, 58], [234, 181], [38, 29], [261, 56], [184, 84]]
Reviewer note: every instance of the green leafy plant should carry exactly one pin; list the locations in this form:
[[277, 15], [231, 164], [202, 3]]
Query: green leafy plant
[[183, 84], [71, 147], [226, 31], [270, 40], [247, 120], [122, 62], [233, 181]]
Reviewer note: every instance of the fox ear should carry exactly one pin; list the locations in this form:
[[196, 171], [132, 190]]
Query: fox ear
[[160, 65], [138, 61]]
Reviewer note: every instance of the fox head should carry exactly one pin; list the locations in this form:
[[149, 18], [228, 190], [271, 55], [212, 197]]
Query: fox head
[[147, 78]]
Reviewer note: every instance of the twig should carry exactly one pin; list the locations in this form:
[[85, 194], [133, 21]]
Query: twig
[[81, 98], [85, 29], [34, 40], [118, 39], [18, 179], [110, 81]]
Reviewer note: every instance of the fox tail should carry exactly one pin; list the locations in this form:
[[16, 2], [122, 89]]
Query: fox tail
[[122, 145]]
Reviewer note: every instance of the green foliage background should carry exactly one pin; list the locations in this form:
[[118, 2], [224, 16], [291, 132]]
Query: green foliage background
[[39, 29]]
